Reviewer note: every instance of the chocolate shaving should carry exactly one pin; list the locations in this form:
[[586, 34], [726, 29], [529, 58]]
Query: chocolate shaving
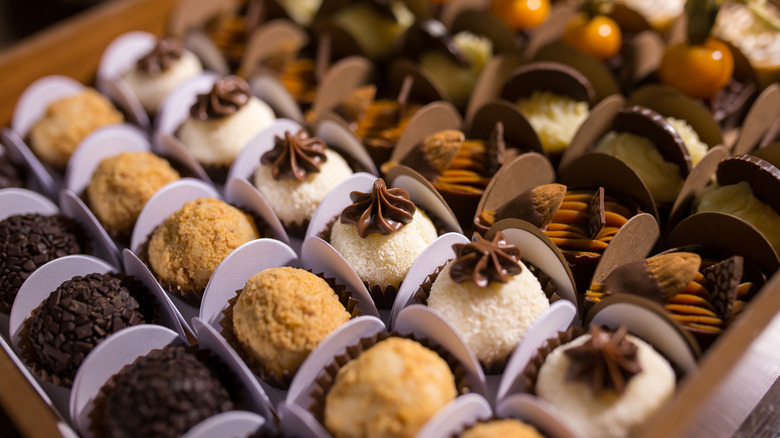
[[498, 150], [226, 97], [722, 281], [483, 261], [403, 98], [383, 210], [596, 214], [606, 361], [295, 156], [165, 53]]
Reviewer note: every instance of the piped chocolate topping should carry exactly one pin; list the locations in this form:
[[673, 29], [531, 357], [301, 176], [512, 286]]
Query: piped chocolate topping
[[226, 97], [76, 317], [483, 261], [165, 53], [28, 242], [383, 210], [295, 156], [606, 361]]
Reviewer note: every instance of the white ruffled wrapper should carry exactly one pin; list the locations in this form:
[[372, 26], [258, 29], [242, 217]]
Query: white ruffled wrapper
[[48, 278]]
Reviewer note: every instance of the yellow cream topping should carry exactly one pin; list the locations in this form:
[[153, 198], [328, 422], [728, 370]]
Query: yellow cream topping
[[696, 148], [458, 81], [555, 118]]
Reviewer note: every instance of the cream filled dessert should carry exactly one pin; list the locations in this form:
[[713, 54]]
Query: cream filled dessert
[[659, 13], [508, 427], [301, 11], [67, 122], [375, 25], [391, 390], [554, 117], [489, 296], [606, 384], [296, 175], [222, 121], [381, 235], [160, 71], [755, 30], [696, 148], [661, 177], [738, 200], [458, 78]]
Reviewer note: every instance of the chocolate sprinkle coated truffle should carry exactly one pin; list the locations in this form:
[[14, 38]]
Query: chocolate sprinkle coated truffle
[[10, 175], [163, 395], [77, 316], [29, 241]]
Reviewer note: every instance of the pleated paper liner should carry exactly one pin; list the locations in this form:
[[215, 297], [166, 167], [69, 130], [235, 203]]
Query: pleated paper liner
[[219, 370], [148, 307], [327, 378], [548, 287], [192, 296], [279, 381]]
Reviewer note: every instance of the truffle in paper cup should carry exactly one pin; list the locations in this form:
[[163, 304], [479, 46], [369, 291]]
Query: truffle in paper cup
[[453, 417], [603, 82], [231, 423], [545, 417]]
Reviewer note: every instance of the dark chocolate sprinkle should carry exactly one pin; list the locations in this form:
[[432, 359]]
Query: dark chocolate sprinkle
[[10, 175], [29, 241]]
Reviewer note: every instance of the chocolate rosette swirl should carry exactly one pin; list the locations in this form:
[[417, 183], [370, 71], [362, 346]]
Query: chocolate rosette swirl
[[382, 211], [165, 53], [226, 97], [295, 156], [484, 261]]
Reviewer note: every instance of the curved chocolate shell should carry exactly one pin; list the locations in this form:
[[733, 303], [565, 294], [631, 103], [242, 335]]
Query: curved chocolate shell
[[267, 39], [517, 132], [706, 228], [647, 123], [490, 82], [424, 87], [342, 78], [603, 81], [629, 19], [598, 123], [551, 76], [761, 122], [763, 177], [190, 14], [669, 103], [770, 152]]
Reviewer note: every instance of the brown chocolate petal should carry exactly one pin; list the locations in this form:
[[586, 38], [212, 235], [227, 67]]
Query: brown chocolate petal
[[295, 156], [161, 58], [596, 214], [722, 281], [483, 261], [226, 97], [383, 210]]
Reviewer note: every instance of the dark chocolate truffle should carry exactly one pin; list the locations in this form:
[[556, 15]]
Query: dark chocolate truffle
[[77, 316], [10, 175], [29, 241], [163, 395]]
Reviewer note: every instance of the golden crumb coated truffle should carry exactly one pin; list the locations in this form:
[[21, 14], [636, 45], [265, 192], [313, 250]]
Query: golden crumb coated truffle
[[502, 428], [282, 314], [122, 184], [396, 386], [67, 122], [186, 248]]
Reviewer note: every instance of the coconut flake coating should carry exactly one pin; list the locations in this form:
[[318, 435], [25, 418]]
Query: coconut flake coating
[[122, 184], [389, 391], [491, 320], [294, 201], [608, 414], [163, 394], [282, 314], [67, 122], [187, 247], [151, 89], [507, 428], [217, 142], [383, 259]]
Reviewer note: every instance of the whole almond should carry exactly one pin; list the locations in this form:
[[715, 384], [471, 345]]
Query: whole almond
[[442, 147], [674, 271]]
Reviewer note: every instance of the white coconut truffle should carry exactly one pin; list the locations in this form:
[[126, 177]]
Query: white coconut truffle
[[383, 259], [217, 142], [491, 320], [151, 89], [661, 177], [607, 414], [294, 201], [555, 118]]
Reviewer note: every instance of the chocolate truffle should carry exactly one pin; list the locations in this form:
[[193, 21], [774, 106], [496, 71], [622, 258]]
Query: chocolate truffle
[[163, 394], [391, 390], [122, 184], [489, 297], [297, 173], [186, 248], [502, 428], [67, 122], [282, 314], [10, 175], [158, 72], [28, 242], [606, 384], [76, 317], [222, 121], [381, 234]]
